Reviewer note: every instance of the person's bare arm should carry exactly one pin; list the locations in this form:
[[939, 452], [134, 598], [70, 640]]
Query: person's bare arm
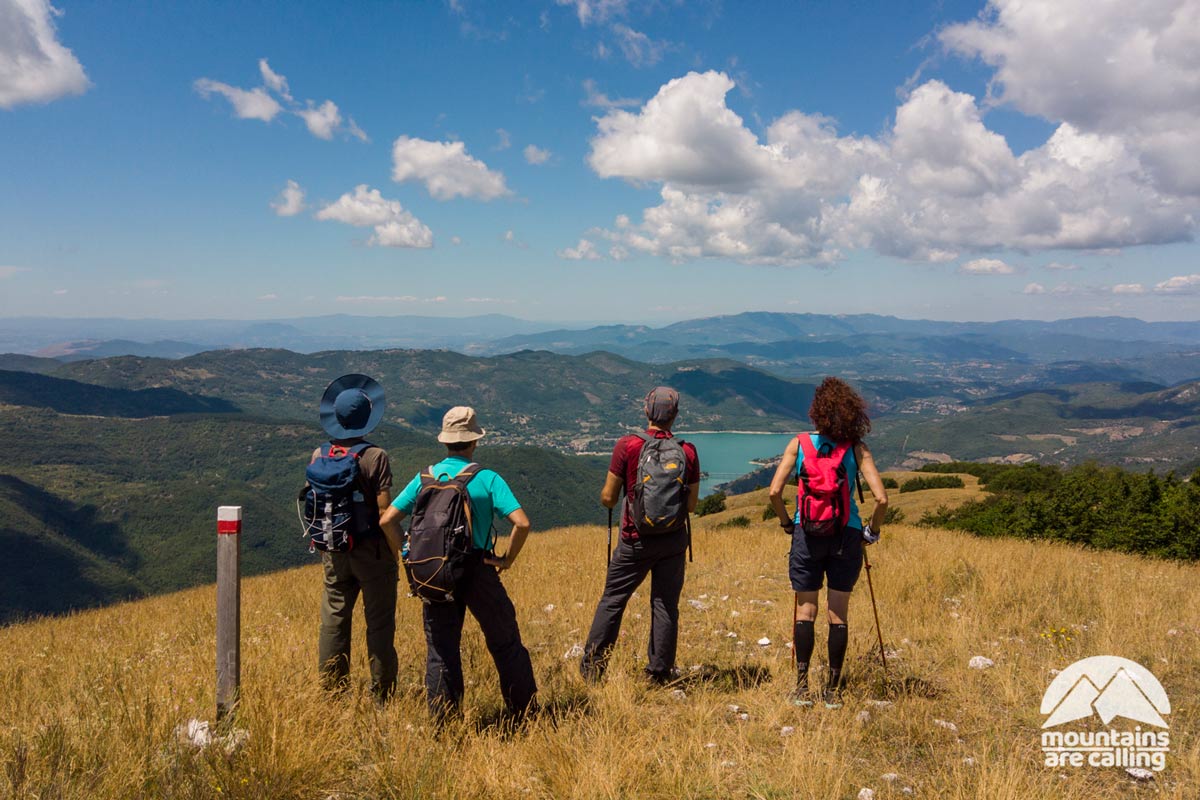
[[866, 465], [693, 496], [783, 473], [516, 540], [390, 520], [611, 492]]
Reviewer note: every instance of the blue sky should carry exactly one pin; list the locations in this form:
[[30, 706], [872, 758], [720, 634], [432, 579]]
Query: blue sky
[[922, 159]]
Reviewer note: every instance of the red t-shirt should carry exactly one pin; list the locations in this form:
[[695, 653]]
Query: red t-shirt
[[624, 463]]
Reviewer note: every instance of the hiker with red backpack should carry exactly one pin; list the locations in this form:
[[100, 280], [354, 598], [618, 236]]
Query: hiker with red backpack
[[827, 531], [660, 476], [451, 566]]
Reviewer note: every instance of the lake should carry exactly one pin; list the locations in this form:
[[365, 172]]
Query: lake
[[725, 456]]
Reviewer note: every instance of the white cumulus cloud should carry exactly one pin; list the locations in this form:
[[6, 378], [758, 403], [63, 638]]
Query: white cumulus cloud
[[937, 186], [1107, 68], [273, 81], [1129, 288], [266, 102], [290, 201], [34, 66], [322, 120], [584, 251], [536, 155], [446, 169], [1056, 266], [1033, 288], [1180, 284], [247, 103], [987, 266], [367, 208]]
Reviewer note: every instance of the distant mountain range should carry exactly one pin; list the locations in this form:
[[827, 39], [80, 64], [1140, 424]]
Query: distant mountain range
[[51, 336]]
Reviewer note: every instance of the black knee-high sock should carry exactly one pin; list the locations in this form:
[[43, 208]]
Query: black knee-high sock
[[802, 641], [839, 635]]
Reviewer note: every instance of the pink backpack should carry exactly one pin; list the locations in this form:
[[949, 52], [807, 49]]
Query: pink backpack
[[823, 500]]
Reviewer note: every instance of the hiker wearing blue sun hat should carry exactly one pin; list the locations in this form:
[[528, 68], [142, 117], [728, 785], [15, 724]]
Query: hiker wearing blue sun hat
[[348, 481]]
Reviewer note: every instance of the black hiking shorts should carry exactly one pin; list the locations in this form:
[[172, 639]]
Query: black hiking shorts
[[814, 557]]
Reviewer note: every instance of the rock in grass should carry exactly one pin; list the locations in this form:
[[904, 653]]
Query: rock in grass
[[1139, 774], [576, 651], [866, 794], [787, 730], [950, 726], [981, 662], [764, 642]]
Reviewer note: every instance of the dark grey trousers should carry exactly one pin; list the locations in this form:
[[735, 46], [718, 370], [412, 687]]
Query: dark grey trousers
[[481, 592], [370, 570], [663, 557]]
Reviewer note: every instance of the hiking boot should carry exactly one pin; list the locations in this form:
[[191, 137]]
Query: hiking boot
[[662, 678], [800, 696], [833, 697]]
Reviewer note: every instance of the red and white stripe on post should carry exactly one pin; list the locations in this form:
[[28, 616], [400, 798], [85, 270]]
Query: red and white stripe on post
[[229, 519], [229, 607]]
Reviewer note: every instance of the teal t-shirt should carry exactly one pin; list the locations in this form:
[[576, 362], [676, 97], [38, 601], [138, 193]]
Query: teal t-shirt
[[851, 463], [488, 492]]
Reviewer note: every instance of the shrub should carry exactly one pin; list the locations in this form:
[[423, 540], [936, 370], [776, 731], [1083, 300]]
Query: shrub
[[768, 513], [711, 505], [893, 514], [1101, 507], [935, 482], [740, 521], [890, 483]]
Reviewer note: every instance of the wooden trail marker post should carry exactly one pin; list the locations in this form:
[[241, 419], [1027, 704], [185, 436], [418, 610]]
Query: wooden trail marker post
[[229, 607]]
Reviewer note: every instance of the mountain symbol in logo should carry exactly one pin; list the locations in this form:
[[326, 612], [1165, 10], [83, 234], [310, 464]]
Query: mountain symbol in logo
[[1108, 686]]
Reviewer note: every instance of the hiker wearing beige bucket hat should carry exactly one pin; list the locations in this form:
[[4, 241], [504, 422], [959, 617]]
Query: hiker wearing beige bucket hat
[[456, 500]]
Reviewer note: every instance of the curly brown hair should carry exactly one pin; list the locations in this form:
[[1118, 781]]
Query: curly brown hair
[[839, 412]]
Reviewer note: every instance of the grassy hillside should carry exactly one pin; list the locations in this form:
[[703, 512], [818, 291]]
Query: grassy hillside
[[91, 702], [120, 507]]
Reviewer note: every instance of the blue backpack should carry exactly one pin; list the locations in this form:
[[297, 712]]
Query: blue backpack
[[335, 512]]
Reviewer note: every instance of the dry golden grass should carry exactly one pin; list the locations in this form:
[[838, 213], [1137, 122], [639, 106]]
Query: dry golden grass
[[90, 703]]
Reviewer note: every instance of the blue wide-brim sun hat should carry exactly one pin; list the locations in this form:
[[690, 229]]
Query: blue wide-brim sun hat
[[352, 406]]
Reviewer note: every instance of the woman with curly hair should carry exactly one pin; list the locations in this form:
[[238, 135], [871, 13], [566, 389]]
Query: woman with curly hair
[[827, 532]]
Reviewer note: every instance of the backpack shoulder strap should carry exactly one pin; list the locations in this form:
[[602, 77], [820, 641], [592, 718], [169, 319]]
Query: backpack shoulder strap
[[645, 437], [427, 477], [358, 449], [468, 472], [806, 446], [839, 452]]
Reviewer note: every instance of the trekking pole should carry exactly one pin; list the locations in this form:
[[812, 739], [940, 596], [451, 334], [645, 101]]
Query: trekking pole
[[870, 585], [795, 619], [610, 534], [875, 608]]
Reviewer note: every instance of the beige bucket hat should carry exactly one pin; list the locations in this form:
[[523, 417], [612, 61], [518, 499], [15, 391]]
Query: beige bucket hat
[[460, 425]]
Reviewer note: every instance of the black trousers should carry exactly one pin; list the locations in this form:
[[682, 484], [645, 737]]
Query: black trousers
[[664, 559], [481, 592]]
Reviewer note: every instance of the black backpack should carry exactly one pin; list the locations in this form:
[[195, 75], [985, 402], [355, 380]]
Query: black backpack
[[660, 493], [439, 536], [335, 511]]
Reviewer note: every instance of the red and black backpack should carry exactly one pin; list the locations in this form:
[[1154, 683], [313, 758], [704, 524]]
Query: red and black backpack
[[823, 499]]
